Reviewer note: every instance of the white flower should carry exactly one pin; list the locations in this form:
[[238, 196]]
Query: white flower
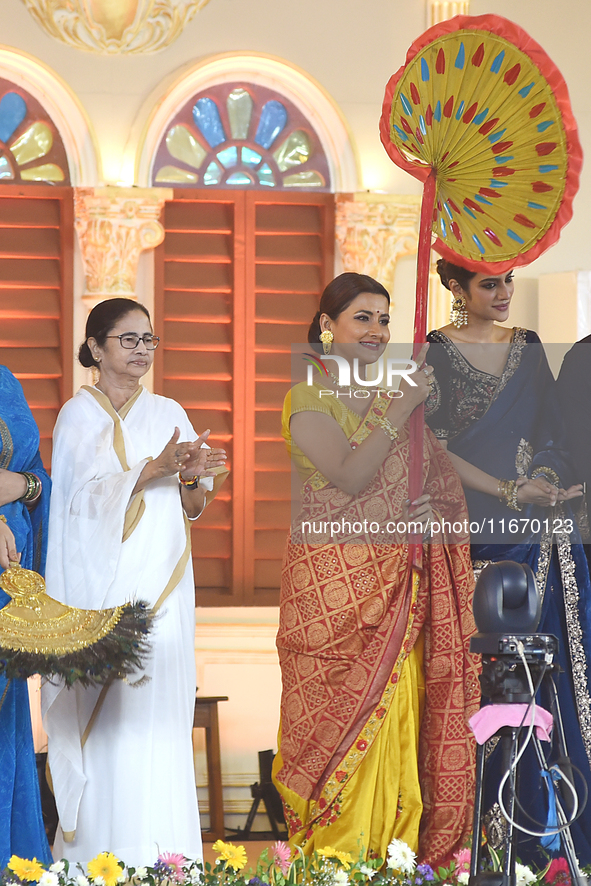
[[48, 878], [341, 878], [524, 875], [81, 880], [99, 881], [141, 873], [463, 878], [122, 877], [367, 871], [401, 857], [57, 867]]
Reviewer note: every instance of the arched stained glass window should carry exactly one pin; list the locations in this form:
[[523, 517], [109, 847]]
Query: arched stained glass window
[[31, 148], [241, 135]]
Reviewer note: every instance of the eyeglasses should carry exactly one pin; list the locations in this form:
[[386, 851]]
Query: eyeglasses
[[131, 340]]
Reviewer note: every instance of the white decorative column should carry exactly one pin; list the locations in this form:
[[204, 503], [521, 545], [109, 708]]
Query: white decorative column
[[440, 10], [374, 231], [115, 227]]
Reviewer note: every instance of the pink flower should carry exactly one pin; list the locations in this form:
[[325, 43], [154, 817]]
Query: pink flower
[[558, 872], [462, 860], [281, 857], [173, 862]]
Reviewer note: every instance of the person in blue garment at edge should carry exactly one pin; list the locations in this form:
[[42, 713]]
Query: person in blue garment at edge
[[24, 506], [494, 405]]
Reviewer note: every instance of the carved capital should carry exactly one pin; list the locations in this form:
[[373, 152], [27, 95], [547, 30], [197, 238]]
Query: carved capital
[[114, 225], [373, 232]]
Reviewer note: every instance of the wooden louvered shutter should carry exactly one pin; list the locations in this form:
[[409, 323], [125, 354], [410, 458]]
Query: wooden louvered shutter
[[36, 255], [287, 267], [238, 279], [196, 364]]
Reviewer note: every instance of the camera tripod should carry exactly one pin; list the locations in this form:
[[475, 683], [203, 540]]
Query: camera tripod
[[507, 679]]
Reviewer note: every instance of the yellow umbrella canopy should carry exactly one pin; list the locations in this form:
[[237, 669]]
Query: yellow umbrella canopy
[[481, 106]]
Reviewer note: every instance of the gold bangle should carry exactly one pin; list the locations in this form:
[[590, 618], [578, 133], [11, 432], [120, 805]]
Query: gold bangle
[[386, 426], [3, 519], [189, 484], [507, 491]]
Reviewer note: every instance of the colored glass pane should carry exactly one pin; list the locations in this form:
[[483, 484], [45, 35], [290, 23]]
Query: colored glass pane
[[5, 169], [273, 120], [260, 139], [207, 119], [265, 176], [213, 174], [35, 142], [294, 151], [239, 104], [304, 180], [13, 110], [250, 157], [49, 172], [239, 179], [183, 146], [174, 174], [228, 157]]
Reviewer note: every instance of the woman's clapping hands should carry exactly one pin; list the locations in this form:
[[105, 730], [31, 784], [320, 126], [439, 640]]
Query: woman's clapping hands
[[188, 459]]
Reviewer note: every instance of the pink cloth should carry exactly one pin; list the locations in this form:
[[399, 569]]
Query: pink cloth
[[489, 719]]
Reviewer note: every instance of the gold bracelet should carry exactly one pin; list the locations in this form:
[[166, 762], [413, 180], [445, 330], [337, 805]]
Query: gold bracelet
[[387, 427], [3, 519], [507, 491], [193, 483]]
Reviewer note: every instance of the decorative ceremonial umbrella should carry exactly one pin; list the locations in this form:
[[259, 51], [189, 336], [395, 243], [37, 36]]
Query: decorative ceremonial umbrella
[[482, 117]]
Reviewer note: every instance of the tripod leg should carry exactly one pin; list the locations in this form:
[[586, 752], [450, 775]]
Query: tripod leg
[[251, 816], [565, 836], [477, 820], [509, 751]]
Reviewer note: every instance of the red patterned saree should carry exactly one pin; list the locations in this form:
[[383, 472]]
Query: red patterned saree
[[352, 612]]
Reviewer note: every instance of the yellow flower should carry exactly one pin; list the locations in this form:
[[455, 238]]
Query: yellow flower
[[107, 866], [344, 857], [25, 869], [234, 856]]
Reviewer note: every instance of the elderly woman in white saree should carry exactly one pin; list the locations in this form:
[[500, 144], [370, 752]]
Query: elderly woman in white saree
[[128, 471]]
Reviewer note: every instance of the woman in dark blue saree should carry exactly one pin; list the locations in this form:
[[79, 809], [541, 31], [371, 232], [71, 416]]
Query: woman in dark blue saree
[[24, 505], [494, 402]]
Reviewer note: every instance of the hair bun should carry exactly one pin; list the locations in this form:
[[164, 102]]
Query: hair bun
[[85, 357]]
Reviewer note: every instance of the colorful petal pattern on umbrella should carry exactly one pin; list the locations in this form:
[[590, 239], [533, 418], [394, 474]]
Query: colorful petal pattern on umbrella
[[481, 103]]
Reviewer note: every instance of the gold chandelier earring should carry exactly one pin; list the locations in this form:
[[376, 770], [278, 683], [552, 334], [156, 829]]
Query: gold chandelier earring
[[327, 339], [459, 314]]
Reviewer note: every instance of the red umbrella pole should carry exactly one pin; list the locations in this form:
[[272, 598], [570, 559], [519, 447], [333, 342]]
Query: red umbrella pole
[[417, 420]]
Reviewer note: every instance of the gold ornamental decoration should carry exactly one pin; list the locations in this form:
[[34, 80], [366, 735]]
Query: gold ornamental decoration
[[39, 635], [35, 622], [112, 27], [374, 232], [114, 225]]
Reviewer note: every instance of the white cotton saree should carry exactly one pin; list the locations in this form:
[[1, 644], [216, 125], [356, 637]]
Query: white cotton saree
[[126, 784]]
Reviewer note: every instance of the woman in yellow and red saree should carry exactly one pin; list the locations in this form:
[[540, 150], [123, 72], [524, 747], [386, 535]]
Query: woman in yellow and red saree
[[378, 683]]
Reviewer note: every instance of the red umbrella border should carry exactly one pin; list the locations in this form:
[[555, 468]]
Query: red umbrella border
[[518, 37]]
